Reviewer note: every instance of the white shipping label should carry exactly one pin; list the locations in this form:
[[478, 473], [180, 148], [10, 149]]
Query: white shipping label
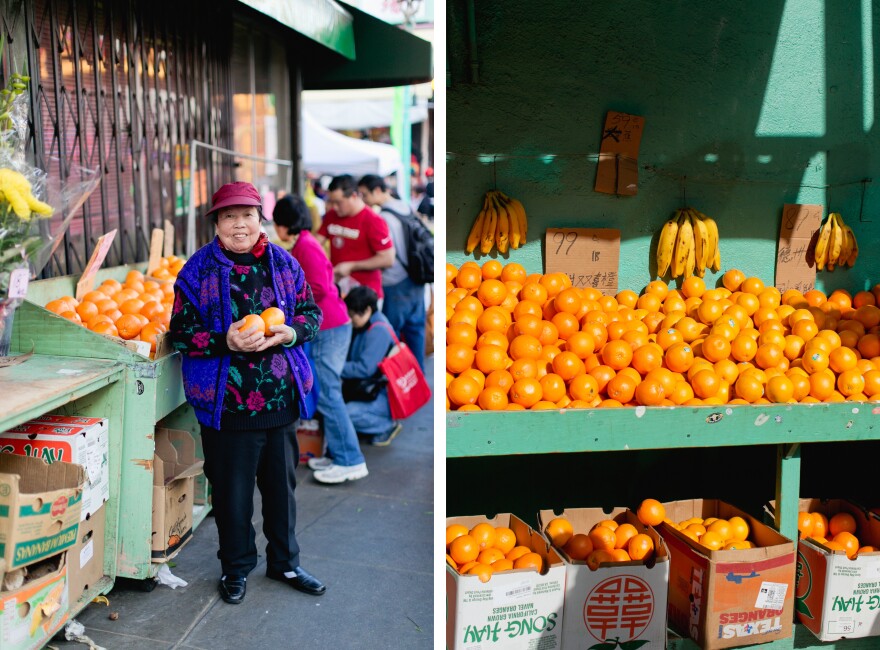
[[513, 592], [842, 626], [771, 595], [87, 553], [18, 282]]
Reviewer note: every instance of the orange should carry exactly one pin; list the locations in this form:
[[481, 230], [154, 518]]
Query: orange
[[603, 538], [578, 547], [647, 358], [841, 522], [568, 301], [712, 540], [820, 524], [868, 316], [464, 549], [679, 357], [522, 368], [693, 287], [566, 324], [849, 542], [534, 292], [451, 272], [517, 552], [716, 348], [505, 539], [805, 524], [863, 298], [769, 355], [550, 333], [483, 571], [623, 533], [493, 319], [780, 389], [640, 547], [800, 383], [103, 327], [530, 561], [554, 283], [739, 529], [463, 334], [525, 346], [567, 365], [453, 531], [492, 399], [491, 270], [842, 359], [584, 387], [869, 346], [850, 382], [658, 288], [622, 388], [492, 292], [490, 358], [559, 530], [599, 557], [581, 344], [488, 338], [650, 392], [149, 332], [489, 556], [271, 316], [483, 534], [458, 356], [469, 277], [752, 285], [553, 387], [129, 326], [733, 279], [526, 392], [706, 383], [651, 512], [617, 354], [513, 272], [462, 391], [872, 383]]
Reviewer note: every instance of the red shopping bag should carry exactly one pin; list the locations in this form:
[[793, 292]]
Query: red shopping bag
[[408, 390]]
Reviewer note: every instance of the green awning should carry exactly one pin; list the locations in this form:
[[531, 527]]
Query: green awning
[[386, 56], [323, 21]]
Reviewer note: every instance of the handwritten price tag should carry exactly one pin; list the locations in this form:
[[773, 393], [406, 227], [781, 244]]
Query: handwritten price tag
[[87, 280], [18, 282], [795, 267], [589, 256], [618, 169]]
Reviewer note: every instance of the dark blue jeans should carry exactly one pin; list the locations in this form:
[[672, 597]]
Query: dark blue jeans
[[404, 308]]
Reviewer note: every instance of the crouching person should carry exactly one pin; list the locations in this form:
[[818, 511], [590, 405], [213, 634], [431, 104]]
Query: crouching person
[[363, 385]]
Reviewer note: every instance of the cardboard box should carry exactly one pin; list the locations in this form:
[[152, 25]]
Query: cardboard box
[[310, 439], [514, 610], [726, 599], [836, 597], [33, 613], [40, 507], [626, 600], [86, 558], [84, 441], [174, 466]]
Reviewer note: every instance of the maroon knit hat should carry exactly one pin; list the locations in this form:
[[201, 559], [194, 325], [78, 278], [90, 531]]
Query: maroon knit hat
[[238, 193]]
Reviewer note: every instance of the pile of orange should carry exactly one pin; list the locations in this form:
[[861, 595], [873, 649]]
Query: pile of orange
[[517, 341], [169, 267], [138, 308], [485, 549], [839, 533], [607, 542], [717, 534]]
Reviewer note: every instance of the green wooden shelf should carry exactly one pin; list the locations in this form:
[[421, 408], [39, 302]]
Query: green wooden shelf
[[152, 390]]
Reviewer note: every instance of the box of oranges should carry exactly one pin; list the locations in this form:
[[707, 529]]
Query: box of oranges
[[505, 585], [734, 587], [838, 569], [617, 576]]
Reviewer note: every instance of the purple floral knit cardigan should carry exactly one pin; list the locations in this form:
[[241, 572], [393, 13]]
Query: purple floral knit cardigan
[[204, 280]]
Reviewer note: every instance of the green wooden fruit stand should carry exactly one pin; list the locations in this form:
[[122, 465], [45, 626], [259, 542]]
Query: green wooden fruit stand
[[151, 392], [628, 431], [74, 386]]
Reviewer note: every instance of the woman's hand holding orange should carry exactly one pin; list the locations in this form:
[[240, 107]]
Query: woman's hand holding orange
[[280, 334], [245, 339]]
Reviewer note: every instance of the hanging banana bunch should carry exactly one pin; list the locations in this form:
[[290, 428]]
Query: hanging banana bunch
[[688, 245], [501, 224], [836, 245]]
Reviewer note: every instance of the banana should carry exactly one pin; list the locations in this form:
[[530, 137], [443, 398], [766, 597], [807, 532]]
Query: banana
[[487, 239], [835, 243], [666, 244], [854, 255], [714, 259], [476, 233], [701, 241], [846, 249], [682, 258], [502, 228], [514, 235], [821, 250], [521, 218]]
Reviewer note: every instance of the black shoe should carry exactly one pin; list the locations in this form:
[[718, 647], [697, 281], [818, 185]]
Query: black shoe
[[232, 589], [303, 581], [384, 439]]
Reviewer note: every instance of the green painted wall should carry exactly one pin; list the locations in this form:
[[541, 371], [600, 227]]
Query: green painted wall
[[756, 103]]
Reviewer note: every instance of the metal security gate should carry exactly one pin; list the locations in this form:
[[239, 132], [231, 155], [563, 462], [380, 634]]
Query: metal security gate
[[122, 87]]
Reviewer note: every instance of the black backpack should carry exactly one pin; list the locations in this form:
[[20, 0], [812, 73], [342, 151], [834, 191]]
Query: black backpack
[[419, 247]]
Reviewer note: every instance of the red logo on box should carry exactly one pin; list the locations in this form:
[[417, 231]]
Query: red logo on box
[[59, 506], [621, 607]]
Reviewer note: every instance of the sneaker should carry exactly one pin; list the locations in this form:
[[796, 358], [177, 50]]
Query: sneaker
[[341, 473], [320, 463], [384, 439]]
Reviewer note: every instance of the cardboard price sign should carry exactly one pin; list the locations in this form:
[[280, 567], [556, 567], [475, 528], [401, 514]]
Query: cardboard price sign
[[795, 266], [589, 256], [102, 247], [169, 238], [618, 170], [157, 243]]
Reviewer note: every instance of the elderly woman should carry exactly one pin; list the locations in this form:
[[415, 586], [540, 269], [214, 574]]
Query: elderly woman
[[246, 384], [344, 460]]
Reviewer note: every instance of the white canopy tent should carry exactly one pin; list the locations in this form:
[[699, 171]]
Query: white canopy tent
[[327, 152]]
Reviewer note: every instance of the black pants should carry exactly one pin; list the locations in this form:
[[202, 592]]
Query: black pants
[[233, 460]]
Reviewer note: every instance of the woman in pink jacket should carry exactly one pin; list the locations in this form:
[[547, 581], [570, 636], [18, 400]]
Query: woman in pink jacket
[[343, 460]]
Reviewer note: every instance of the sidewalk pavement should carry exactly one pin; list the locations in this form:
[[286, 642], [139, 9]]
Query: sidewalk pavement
[[369, 541]]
